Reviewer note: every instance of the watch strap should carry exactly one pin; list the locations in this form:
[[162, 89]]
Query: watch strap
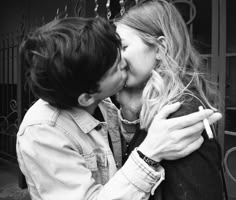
[[148, 160]]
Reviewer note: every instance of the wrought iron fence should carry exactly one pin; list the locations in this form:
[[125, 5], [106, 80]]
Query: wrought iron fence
[[8, 92], [15, 96]]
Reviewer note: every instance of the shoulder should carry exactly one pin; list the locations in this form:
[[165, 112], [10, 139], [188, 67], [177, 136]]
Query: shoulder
[[190, 104], [39, 112], [41, 116]]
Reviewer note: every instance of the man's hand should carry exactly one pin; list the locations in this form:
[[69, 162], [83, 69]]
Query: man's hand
[[175, 138]]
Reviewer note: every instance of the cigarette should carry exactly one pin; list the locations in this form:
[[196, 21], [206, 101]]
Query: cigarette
[[206, 125]]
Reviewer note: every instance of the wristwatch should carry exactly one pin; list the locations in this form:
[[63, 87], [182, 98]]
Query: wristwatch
[[156, 166], [148, 160]]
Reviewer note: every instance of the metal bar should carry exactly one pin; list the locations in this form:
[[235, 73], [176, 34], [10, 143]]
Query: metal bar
[[21, 179], [1, 76], [7, 86], [96, 8], [80, 8], [122, 6], [4, 76], [19, 87], [222, 66], [192, 16], [7, 73], [12, 66], [108, 9], [215, 41]]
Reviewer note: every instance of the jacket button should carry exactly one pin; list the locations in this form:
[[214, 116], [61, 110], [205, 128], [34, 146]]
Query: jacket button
[[98, 127]]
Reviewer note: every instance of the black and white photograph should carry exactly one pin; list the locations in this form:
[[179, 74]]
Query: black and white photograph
[[118, 100]]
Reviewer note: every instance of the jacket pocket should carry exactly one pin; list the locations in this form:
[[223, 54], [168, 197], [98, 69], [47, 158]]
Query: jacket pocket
[[101, 160], [98, 165], [91, 162]]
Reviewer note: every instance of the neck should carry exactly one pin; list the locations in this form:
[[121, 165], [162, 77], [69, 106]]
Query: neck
[[133, 91], [91, 109]]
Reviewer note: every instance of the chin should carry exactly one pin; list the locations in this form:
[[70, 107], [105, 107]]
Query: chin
[[132, 85]]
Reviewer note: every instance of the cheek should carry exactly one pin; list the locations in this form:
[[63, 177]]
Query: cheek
[[136, 78], [117, 81], [141, 68], [141, 60], [139, 72]]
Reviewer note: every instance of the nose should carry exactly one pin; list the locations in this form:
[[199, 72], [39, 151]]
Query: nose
[[123, 64]]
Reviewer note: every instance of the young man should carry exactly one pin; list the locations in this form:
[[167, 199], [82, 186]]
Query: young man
[[68, 144]]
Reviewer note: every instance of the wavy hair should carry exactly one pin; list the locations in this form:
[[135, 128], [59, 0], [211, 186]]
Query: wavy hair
[[178, 70]]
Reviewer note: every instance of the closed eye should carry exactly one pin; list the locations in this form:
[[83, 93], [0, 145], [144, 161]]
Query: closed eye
[[124, 47]]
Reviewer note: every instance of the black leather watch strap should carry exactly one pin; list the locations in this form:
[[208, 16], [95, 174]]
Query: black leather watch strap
[[148, 160]]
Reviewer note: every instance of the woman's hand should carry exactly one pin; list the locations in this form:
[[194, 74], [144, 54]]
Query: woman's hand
[[175, 138]]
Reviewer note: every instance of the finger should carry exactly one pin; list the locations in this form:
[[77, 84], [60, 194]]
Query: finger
[[186, 149], [190, 119], [195, 145], [214, 117], [167, 110], [193, 131]]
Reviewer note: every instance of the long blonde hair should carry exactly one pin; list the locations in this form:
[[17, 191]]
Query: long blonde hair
[[178, 70]]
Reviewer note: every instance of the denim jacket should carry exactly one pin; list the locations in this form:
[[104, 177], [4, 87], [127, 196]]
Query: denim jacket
[[65, 154]]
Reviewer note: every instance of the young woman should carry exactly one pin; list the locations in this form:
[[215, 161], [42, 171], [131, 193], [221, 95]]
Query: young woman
[[164, 67]]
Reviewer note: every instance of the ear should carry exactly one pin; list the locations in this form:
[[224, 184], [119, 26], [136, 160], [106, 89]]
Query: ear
[[86, 99], [161, 44]]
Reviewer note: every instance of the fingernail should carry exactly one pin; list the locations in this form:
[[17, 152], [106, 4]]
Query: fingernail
[[209, 111], [177, 103], [219, 115]]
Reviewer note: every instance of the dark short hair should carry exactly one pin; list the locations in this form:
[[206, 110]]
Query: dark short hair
[[67, 57]]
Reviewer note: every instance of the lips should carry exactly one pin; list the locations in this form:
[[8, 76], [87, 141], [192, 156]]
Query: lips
[[125, 79]]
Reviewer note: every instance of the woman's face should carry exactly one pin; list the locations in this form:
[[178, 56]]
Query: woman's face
[[140, 58]]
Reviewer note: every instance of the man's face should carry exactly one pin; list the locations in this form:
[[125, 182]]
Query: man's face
[[113, 80]]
